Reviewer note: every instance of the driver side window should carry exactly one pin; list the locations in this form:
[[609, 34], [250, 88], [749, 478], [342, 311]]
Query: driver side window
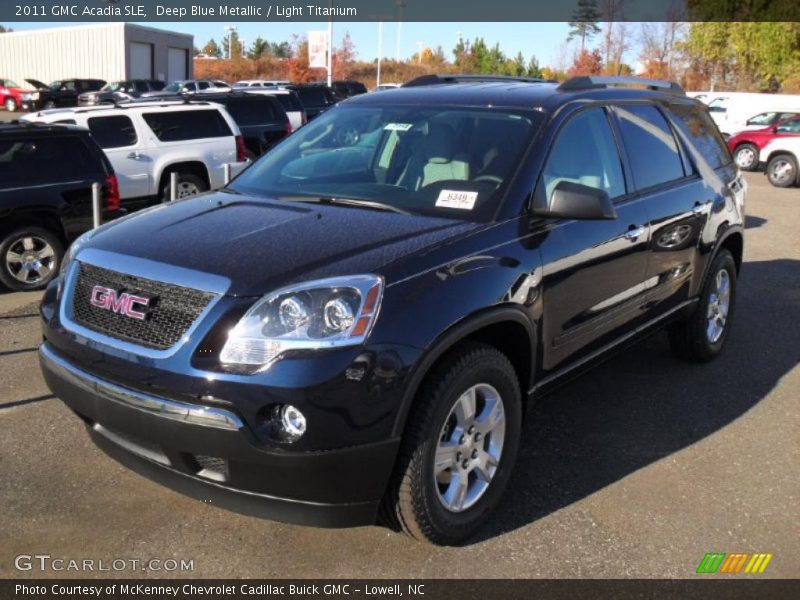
[[585, 152]]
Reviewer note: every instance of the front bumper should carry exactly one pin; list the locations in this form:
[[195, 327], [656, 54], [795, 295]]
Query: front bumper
[[211, 453]]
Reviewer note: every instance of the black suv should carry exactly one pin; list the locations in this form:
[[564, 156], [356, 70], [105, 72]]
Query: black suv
[[356, 321], [315, 98], [261, 119], [46, 177], [346, 89], [59, 94], [119, 91]]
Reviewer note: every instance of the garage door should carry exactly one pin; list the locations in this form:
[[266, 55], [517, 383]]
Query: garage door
[[141, 61], [176, 67]]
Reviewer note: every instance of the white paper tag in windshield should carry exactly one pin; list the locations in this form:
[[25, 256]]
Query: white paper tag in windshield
[[457, 199], [398, 126]]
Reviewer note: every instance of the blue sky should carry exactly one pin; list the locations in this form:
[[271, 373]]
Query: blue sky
[[542, 39]]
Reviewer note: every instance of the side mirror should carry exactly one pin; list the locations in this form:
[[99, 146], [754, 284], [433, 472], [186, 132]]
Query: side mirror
[[572, 200]]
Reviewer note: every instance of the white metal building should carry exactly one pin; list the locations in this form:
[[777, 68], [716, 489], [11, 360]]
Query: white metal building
[[109, 51]]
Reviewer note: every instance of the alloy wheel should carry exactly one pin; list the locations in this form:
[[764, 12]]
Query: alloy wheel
[[719, 301], [469, 448], [30, 259]]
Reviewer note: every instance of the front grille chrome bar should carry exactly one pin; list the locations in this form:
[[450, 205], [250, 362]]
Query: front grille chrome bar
[[169, 409]]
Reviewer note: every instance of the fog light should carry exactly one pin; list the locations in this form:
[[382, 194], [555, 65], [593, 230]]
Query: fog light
[[293, 421]]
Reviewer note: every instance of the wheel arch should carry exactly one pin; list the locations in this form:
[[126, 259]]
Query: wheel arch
[[34, 217], [506, 328]]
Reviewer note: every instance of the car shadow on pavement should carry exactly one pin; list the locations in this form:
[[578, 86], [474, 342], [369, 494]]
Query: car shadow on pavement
[[751, 222], [644, 405]]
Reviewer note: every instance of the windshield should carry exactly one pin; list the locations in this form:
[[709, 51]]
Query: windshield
[[111, 87], [441, 161], [56, 85]]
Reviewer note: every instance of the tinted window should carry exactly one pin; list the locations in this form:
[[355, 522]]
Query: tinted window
[[203, 85], [113, 132], [45, 160], [289, 102], [694, 122], [313, 96], [791, 126], [141, 86], [652, 149], [187, 125], [252, 111], [585, 153], [157, 85], [357, 88]]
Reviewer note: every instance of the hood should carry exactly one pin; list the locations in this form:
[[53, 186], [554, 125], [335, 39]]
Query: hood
[[261, 244], [37, 84]]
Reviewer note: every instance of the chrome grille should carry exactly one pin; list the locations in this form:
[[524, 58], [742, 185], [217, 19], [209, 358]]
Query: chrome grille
[[172, 312]]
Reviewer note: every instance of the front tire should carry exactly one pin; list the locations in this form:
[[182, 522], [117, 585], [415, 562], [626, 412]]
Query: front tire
[[11, 104], [459, 447], [700, 337], [29, 258], [746, 157], [782, 170]]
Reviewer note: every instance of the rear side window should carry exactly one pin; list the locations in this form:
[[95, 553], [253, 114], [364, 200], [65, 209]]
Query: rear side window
[[252, 111], [46, 160], [791, 126], [585, 152], [187, 125], [113, 132], [652, 150], [699, 127], [289, 102]]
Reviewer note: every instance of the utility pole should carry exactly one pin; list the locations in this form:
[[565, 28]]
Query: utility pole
[[420, 46], [230, 29], [380, 50], [330, 47]]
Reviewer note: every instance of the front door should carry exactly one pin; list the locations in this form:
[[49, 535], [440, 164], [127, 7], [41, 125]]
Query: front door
[[594, 282]]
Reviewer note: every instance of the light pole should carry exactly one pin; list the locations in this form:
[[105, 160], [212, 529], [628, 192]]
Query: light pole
[[420, 46], [380, 51], [230, 29], [401, 4], [330, 47]]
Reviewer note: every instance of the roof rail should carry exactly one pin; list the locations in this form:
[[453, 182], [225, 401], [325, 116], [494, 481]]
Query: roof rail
[[588, 82], [470, 78]]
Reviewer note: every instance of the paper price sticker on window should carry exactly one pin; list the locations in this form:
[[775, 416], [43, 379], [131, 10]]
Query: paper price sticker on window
[[456, 199], [398, 126]]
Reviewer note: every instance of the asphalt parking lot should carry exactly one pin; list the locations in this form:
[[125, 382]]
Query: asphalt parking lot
[[635, 470]]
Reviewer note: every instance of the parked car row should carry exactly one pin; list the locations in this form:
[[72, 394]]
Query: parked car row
[[773, 149]]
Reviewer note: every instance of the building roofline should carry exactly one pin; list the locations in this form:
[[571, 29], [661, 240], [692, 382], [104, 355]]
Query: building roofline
[[89, 26]]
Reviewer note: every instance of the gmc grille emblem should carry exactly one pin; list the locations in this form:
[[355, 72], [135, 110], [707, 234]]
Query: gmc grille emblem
[[128, 305]]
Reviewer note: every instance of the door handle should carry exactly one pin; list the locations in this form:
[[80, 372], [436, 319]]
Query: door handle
[[135, 155], [634, 233], [699, 208]]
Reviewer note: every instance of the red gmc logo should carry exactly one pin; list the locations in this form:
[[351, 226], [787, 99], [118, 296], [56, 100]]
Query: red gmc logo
[[123, 304]]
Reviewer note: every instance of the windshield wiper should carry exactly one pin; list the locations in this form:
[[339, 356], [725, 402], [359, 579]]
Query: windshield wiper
[[347, 202]]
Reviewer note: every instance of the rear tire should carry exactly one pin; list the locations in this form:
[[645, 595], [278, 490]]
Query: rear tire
[[782, 170], [189, 184], [30, 258], [453, 468], [700, 336], [746, 157]]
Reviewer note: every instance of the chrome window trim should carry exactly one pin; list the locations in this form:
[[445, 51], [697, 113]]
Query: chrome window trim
[[146, 269], [193, 414]]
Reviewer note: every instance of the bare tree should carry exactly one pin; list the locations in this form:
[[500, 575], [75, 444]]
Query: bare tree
[[658, 46]]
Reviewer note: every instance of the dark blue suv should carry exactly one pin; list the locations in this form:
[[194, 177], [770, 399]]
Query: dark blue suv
[[353, 326]]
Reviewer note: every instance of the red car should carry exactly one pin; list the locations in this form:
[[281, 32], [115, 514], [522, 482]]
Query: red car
[[746, 145], [10, 95]]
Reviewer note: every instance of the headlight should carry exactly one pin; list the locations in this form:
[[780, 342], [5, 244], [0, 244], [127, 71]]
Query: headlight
[[318, 314], [30, 96]]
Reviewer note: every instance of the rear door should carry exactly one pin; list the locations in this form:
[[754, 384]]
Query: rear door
[[594, 270], [124, 145], [677, 198]]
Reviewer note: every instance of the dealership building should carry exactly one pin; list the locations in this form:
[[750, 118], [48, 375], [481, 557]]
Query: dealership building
[[108, 51]]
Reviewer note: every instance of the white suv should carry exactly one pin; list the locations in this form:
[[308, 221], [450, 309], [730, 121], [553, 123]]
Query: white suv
[[782, 157], [147, 141]]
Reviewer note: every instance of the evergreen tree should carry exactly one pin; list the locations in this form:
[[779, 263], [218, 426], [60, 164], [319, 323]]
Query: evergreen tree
[[584, 24]]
